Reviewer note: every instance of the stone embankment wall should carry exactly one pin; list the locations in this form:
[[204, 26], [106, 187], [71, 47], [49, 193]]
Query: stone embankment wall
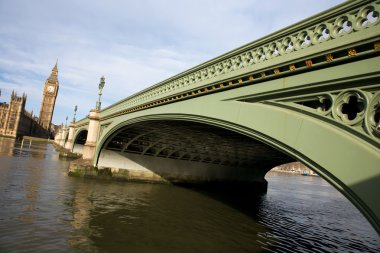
[[295, 167]]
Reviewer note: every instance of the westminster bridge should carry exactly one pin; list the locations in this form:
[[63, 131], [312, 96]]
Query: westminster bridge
[[308, 93]]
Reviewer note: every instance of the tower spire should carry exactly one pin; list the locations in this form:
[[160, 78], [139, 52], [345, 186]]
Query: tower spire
[[56, 66], [54, 73]]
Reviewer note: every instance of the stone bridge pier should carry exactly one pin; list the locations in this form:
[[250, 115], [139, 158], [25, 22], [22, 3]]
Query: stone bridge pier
[[92, 135]]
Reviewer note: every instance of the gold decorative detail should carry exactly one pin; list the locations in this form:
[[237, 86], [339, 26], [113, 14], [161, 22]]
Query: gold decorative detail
[[262, 74], [329, 58], [352, 52], [213, 87], [192, 93], [250, 78], [199, 91], [240, 81], [292, 67], [309, 63], [276, 71], [229, 83], [376, 45], [205, 89], [221, 86]]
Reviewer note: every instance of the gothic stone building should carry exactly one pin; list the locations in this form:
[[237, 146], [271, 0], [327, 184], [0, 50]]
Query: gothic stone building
[[16, 122]]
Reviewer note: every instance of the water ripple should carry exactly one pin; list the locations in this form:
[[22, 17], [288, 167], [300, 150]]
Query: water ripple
[[44, 210]]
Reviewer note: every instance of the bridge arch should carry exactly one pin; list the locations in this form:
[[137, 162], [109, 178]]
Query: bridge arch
[[66, 137], [345, 161], [80, 136], [224, 155]]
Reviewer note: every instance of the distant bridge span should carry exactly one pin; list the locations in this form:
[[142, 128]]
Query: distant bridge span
[[309, 92]]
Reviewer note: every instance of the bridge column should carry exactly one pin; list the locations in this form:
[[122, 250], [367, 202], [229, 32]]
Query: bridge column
[[63, 137], [92, 135], [69, 143], [57, 138]]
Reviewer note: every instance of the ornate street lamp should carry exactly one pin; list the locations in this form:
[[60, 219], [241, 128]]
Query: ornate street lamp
[[101, 85], [75, 113]]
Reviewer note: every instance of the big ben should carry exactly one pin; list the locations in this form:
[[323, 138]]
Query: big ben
[[49, 96]]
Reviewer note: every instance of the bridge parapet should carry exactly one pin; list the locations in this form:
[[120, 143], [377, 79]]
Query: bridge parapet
[[323, 38], [82, 122]]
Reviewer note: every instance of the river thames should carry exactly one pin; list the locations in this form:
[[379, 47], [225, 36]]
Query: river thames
[[44, 210]]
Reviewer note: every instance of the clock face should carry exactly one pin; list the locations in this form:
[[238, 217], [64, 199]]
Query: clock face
[[50, 88]]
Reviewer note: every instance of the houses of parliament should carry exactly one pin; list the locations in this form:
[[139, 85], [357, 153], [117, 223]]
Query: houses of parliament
[[16, 121]]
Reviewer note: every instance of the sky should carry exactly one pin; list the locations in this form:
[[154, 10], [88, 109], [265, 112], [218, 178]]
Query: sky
[[134, 44]]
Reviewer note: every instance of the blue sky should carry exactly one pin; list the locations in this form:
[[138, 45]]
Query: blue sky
[[134, 44]]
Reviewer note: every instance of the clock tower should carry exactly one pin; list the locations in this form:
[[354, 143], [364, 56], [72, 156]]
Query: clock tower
[[49, 96]]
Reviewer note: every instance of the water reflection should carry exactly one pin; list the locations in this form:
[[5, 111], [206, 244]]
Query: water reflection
[[31, 188], [163, 218], [309, 215], [6, 146], [17, 148], [44, 210], [168, 218]]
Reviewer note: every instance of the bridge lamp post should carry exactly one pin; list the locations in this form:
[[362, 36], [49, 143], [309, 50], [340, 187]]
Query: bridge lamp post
[[101, 86], [70, 132], [75, 113], [93, 128]]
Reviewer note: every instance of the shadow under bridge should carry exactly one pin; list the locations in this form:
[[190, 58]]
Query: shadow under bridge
[[184, 152]]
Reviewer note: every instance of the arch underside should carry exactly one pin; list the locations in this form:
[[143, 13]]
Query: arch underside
[[188, 152], [191, 141], [79, 141]]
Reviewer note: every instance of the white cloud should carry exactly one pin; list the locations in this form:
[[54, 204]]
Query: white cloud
[[134, 44]]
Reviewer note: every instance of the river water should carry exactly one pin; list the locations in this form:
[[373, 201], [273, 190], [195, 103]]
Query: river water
[[44, 210]]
